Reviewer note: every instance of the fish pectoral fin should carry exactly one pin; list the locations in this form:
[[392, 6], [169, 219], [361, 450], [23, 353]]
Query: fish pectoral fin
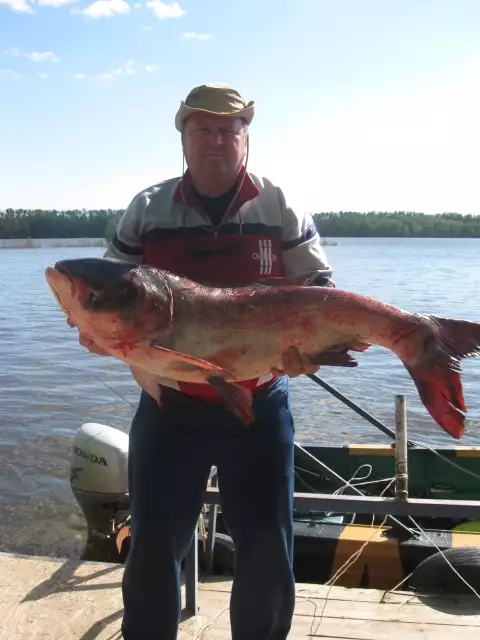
[[358, 345], [333, 359], [338, 356], [236, 398], [148, 382], [184, 363]]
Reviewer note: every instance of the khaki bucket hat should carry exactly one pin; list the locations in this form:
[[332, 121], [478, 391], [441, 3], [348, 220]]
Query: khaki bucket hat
[[217, 99]]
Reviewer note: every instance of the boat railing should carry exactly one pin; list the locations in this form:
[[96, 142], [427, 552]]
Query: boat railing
[[399, 505]]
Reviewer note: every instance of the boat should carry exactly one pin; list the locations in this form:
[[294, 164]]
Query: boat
[[386, 552]]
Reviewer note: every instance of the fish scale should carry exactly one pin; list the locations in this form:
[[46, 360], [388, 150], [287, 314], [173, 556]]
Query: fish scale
[[166, 326]]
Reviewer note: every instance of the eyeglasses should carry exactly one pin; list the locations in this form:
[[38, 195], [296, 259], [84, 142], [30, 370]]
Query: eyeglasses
[[227, 133]]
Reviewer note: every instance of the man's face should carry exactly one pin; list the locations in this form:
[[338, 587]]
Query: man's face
[[214, 145]]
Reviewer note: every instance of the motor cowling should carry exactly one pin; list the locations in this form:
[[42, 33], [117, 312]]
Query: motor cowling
[[99, 476]]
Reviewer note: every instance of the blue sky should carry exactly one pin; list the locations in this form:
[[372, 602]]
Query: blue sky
[[361, 104]]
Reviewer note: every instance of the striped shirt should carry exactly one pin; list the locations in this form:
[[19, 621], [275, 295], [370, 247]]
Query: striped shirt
[[166, 226]]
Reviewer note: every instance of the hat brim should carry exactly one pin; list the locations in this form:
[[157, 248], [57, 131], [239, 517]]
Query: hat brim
[[248, 112]]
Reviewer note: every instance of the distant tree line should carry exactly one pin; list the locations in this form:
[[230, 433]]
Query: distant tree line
[[50, 223], [76, 223], [397, 224]]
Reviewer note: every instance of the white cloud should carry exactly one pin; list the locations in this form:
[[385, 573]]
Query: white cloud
[[126, 69], [105, 9], [46, 56], [151, 68], [163, 10], [23, 6], [190, 35], [34, 56], [20, 6], [129, 68], [8, 73], [99, 77], [42, 75], [53, 3]]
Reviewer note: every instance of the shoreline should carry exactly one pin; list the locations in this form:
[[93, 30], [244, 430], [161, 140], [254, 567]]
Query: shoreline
[[50, 243]]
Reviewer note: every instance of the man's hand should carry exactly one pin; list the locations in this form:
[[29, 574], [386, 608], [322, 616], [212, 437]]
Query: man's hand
[[88, 343], [294, 364]]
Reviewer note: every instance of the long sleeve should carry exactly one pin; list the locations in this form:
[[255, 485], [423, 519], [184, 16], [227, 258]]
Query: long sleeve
[[126, 242], [302, 252]]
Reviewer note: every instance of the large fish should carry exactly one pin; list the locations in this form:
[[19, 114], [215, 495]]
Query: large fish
[[164, 325]]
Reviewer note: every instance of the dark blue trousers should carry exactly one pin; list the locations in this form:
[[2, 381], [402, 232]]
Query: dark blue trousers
[[170, 457]]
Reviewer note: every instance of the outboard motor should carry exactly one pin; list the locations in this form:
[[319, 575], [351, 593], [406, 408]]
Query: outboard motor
[[99, 478]]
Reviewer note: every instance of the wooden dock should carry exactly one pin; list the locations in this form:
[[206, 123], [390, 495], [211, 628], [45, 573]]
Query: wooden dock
[[70, 599]]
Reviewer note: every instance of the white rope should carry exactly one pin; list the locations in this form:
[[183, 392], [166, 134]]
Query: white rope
[[209, 624], [357, 491], [392, 480], [450, 462], [337, 575], [354, 557], [444, 557]]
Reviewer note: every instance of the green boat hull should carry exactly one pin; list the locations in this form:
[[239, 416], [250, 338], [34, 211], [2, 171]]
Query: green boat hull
[[389, 553]]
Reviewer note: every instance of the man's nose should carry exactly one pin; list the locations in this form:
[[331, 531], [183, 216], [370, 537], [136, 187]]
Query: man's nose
[[218, 137]]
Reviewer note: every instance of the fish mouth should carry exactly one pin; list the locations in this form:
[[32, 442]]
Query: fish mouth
[[60, 268], [63, 282], [51, 274]]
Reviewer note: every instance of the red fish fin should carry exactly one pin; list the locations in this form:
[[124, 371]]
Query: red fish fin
[[235, 397], [438, 378], [440, 390], [148, 383], [458, 338], [186, 363], [333, 359], [359, 346], [338, 356]]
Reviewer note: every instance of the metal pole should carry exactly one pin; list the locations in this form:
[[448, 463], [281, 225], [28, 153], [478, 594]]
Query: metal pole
[[191, 575], [401, 451], [212, 527]]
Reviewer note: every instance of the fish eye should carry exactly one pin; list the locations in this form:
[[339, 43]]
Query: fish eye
[[94, 298]]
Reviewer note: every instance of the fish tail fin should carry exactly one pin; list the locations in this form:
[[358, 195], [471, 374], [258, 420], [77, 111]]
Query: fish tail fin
[[437, 375]]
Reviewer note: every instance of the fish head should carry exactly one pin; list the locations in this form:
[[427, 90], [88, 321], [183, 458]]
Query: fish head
[[112, 300]]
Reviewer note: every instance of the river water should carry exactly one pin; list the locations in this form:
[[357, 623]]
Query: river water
[[49, 385]]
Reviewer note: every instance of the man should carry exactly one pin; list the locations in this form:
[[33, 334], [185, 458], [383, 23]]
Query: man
[[216, 224]]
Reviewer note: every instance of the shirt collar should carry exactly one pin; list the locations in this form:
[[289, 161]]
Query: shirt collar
[[248, 191]]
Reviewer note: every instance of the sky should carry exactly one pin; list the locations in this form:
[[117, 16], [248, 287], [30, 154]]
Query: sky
[[361, 105]]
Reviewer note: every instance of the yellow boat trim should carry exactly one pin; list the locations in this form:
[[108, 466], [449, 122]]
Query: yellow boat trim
[[380, 558], [467, 452], [465, 539], [370, 450], [387, 450]]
